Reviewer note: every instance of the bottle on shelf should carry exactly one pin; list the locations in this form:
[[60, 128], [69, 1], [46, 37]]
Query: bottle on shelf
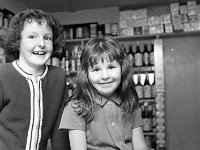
[[151, 142], [56, 57], [108, 30], [141, 45], [133, 49], [62, 63], [138, 56], [73, 61], [146, 115], [150, 49], [67, 62], [138, 85], [93, 30], [69, 88], [153, 117], [78, 55], [148, 141], [79, 32], [152, 83], [114, 29], [86, 31], [147, 87], [100, 30], [130, 54], [146, 56]]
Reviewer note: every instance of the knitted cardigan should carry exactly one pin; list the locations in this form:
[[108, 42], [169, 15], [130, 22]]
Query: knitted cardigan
[[30, 110]]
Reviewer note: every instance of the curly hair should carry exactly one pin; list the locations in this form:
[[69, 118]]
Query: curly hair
[[11, 36], [98, 49]]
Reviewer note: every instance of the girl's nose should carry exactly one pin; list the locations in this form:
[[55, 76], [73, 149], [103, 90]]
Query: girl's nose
[[105, 74], [41, 43]]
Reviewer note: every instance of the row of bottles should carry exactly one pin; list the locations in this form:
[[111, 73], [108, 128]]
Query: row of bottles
[[69, 61], [90, 30], [140, 53], [145, 85]]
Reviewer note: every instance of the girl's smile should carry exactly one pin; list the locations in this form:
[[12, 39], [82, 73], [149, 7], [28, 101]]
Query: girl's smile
[[39, 53]]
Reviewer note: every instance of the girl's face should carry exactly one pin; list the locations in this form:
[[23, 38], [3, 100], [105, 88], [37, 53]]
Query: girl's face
[[36, 44], [105, 77]]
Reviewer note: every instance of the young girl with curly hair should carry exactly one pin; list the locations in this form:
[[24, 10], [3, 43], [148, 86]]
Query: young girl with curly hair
[[31, 93]]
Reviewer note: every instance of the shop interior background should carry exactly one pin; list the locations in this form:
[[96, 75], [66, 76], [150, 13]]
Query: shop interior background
[[181, 58]]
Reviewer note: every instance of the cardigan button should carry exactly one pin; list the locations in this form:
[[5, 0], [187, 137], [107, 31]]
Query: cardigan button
[[109, 103]]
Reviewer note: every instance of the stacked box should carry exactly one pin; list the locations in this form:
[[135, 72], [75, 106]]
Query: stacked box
[[167, 23], [140, 21], [186, 27], [126, 23], [194, 26], [184, 17], [183, 9], [192, 7], [177, 23], [184, 14], [174, 8], [168, 28], [193, 15]]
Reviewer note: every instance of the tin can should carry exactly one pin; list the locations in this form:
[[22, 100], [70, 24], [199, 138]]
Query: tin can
[[93, 30], [108, 29], [79, 32], [114, 29]]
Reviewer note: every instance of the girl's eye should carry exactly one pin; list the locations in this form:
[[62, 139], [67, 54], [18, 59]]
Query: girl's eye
[[48, 38], [96, 69], [31, 36], [111, 67]]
